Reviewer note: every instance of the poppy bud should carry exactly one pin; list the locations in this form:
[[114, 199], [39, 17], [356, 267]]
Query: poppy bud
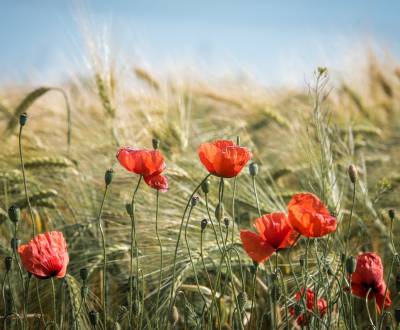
[[195, 200], [108, 176], [253, 169], [297, 310], [352, 173], [8, 263], [156, 143], [14, 213], [398, 282], [23, 118], [253, 267], [129, 210], [242, 300], [15, 243], [391, 214], [203, 224], [351, 264], [342, 258], [84, 291], [205, 186], [226, 222], [173, 317], [93, 317], [219, 211], [397, 314], [84, 274]]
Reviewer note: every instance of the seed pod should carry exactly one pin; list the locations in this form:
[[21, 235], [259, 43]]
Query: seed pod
[[8, 263], [129, 210], [205, 186], [253, 169], [219, 211], [14, 213], [93, 317], [242, 300], [203, 224], [23, 118], [15, 242], [156, 143], [351, 264], [397, 314], [84, 274], [226, 222], [391, 214], [195, 201], [108, 176], [352, 173], [173, 317]]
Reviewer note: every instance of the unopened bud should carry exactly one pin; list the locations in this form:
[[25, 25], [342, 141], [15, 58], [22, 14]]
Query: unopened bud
[[84, 274], [219, 211], [253, 169], [173, 317], [226, 222], [205, 186], [93, 317], [129, 209], [391, 214], [156, 143], [203, 224], [108, 176], [8, 263], [351, 264], [15, 243], [23, 118], [353, 173], [14, 213], [195, 201], [253, 267]]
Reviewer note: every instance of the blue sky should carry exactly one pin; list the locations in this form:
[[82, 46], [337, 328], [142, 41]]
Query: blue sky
[[274, 41]]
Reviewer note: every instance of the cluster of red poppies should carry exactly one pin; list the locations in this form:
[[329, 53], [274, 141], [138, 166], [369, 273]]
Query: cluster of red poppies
[[46, 255]]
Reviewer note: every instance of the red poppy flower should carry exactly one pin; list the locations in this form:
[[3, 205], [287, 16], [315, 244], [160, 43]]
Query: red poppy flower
[[369, 276], [223, 158], [158, 182], [319, 306], [141, 161], [309, 216], [45, 255], [274, 233]]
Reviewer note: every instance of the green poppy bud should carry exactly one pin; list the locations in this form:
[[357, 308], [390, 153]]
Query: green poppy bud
[[83, 272], [93, 317], [108, 176], [253, 169], [203, 224], [297, 309], [23, 118], [14, 213], [156, 143], [195, 201], [351, 264], [226, 222], [15, 242], [352, 173], [8, 263], [205, 186], [173, 317], [391, 214], [219, 211], [129, 210]]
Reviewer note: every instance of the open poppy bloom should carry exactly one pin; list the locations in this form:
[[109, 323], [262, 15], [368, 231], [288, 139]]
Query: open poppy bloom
[[45, 255], [141, 161], [274, 233], [369, 276], [309, 216], [158, 182], [319, 307], [224, 158]]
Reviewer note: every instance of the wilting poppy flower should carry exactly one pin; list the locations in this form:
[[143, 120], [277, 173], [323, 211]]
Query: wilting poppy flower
[[224, 158], [309, 216], [45, 255], [274, 233], [369, 276], [141, 161], [158, 182], [319, 306]]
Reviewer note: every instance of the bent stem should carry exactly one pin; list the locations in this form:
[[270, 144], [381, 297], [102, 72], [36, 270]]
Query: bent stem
[[369, 314], [103, 242], [133, 247], [24, 180]]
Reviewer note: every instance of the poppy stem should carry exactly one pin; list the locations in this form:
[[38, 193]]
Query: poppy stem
[[212, 224], [233, 208], [256, 195], [54, 303], [103, 244], [178, 240], [253, 296], [133, 248], [161, 257], [24, 181], [350, 218], [39, 302], [367, 307]]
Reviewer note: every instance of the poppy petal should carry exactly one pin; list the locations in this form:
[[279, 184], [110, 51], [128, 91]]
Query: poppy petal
[[255, 247]]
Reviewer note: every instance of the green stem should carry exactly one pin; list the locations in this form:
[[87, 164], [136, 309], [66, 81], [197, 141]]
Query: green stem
[[369, 314], [349, 224], [54, 302], [161, 256], [39, 302], [253, 297], [256, 195]]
